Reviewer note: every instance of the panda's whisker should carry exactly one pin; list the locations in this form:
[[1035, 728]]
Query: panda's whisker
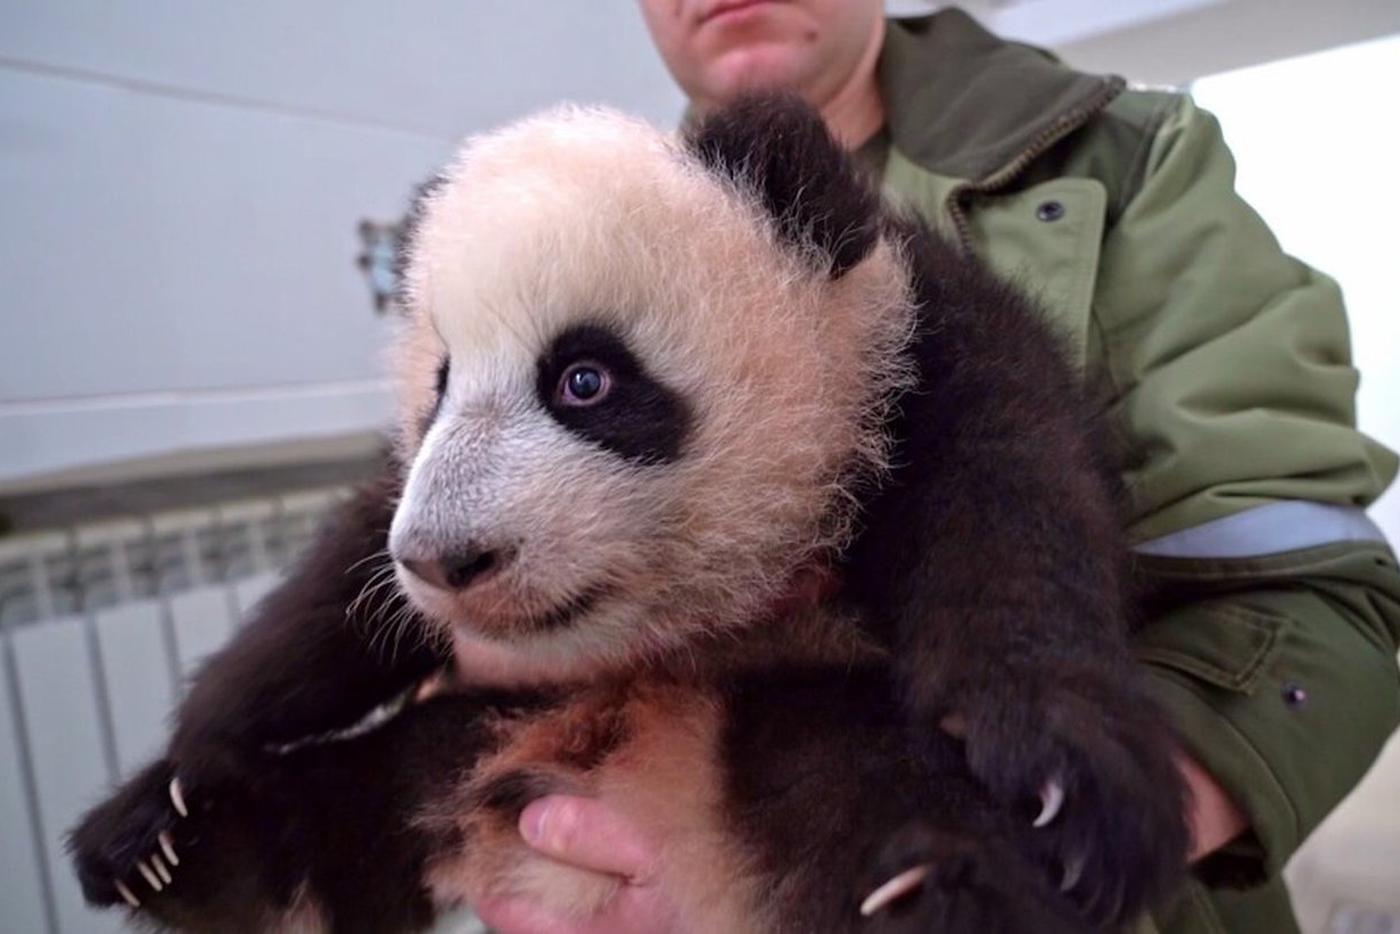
[[382, 619], [384, 622], [381, 553], [386, 578], [372, 585], [401, 626], [393, 630], [387, 630], [377, 582], [387, 638]]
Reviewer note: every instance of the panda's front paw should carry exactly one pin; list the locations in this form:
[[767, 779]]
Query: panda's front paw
[[958, 883], [1089, 766], [129, 848]]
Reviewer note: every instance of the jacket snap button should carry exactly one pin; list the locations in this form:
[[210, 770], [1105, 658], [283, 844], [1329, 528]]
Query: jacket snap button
[[1294, 695], [1050, 211]]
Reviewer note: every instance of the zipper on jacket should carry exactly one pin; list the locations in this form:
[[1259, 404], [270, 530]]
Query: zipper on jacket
[[1064, 125]]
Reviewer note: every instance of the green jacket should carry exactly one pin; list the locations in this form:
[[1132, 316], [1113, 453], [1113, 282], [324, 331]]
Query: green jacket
[[1274, 603]]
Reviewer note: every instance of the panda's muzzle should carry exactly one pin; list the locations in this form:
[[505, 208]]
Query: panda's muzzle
[[565, 613], [458, 570]]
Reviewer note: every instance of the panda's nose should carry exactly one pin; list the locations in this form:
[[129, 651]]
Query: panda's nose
[[456, 570]]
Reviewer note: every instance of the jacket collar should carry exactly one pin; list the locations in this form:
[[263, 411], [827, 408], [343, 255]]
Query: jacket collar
[[962, 103]]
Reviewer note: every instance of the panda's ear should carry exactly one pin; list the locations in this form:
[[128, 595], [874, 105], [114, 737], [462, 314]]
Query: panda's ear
[[777, 147], [406, 234]]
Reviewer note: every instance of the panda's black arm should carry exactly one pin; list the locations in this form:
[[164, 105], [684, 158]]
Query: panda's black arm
[[994, 561], [315, 658], [323, 649], [999, 536]]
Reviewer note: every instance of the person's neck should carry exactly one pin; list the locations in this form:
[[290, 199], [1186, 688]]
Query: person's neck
[[855, 112]]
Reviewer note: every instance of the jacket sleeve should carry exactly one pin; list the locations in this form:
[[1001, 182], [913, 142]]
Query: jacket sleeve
[[1273, 602]]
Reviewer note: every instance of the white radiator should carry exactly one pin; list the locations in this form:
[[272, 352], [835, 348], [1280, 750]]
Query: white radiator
[[100, 626]]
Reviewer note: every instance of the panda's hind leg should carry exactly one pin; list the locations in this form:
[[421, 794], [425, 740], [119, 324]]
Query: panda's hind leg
[[955, 880], [856, 828]]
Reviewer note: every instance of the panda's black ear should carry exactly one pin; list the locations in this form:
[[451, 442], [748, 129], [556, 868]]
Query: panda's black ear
[[776, 146]]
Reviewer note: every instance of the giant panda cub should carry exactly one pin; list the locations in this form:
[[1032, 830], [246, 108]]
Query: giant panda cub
[[650, 385]]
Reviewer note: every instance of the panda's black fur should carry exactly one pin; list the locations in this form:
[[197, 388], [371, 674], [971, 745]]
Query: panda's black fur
[[988, 564]]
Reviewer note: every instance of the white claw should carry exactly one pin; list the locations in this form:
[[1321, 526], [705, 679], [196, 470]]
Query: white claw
[[150, 876], [168, 846], [177, 798], [893, 890], [1072, 873], [127, 895], [1052, 798], [160, 868]]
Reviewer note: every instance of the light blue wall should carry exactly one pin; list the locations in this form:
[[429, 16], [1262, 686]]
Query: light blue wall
[[182, 183]]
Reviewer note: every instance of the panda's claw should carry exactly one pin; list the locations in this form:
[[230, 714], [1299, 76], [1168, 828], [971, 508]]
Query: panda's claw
[[167, 846], [1073, 871], [127, 895], [149, 875], [177, 798], [159, 865], [894, 889], [1052, 799]]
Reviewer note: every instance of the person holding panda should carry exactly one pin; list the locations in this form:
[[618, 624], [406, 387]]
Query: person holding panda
[[1273, 602]]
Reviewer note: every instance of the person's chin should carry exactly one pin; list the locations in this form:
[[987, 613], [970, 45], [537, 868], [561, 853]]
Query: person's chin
[[761, 66]]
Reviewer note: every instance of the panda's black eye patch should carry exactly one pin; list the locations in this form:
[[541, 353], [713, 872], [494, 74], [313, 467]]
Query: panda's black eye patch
[[439, 390], [443, 371], [592, 384]]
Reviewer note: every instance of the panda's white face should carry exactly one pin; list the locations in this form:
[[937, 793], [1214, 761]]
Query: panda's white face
[[630, 412]]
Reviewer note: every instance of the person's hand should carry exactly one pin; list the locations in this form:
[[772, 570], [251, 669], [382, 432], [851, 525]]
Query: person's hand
[[1214, 819], [586, 833]]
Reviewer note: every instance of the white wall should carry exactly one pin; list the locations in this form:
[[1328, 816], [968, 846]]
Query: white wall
[[1176, 41], [182, 181]]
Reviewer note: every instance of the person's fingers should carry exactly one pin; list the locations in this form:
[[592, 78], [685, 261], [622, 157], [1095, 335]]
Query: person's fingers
[[519, 916], [633, 910], [586, 833], [1212, 815]]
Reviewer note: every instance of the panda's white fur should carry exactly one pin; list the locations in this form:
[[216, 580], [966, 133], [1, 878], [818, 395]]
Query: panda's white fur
[[575, 215]]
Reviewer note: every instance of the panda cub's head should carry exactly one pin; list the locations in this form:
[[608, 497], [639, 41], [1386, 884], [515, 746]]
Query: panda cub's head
[[640, 376]]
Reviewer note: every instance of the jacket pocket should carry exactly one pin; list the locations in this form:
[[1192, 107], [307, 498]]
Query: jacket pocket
[[1223, 644], [1046, 239]]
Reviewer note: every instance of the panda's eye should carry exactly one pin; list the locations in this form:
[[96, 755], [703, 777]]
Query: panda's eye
[[584, 384]]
